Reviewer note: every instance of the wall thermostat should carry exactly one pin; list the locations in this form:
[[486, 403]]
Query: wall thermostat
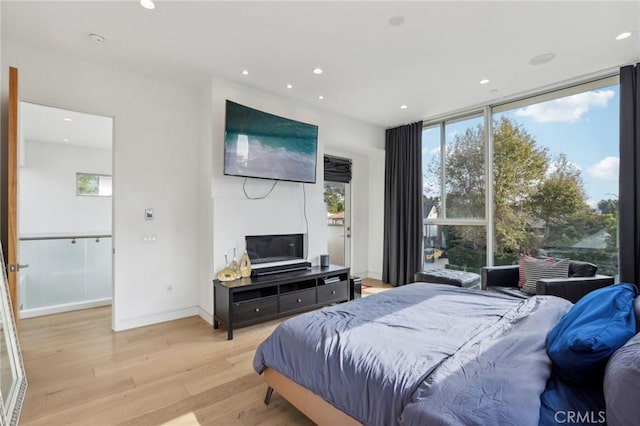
[[148, 214]]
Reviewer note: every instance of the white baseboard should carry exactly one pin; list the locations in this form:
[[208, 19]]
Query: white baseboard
[[374, 275], [67, 307], [141, 321], [360, 274], [208, 317]]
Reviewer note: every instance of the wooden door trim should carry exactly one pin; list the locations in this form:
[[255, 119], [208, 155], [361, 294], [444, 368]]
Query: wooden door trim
[[12, 195]]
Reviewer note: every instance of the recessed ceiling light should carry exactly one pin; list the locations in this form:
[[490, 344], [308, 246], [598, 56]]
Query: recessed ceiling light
[[542, 59], [321, 97], [245, 72], [317, 70], [67, 119], [396, 21], [403, 107], [484, 81], [66, 139], [147, 4], [289, 86], [623, 36], [97, 38]]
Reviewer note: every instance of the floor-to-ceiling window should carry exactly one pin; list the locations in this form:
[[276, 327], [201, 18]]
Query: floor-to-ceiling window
[[555, 168], [454, 193], [551, 181]]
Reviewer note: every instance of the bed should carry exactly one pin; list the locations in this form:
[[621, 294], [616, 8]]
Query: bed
[[414, 355]]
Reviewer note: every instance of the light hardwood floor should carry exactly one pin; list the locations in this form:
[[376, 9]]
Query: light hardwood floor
[[175, 373]]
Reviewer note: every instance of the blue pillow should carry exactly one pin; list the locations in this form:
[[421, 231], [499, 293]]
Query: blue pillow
[[582, 342]]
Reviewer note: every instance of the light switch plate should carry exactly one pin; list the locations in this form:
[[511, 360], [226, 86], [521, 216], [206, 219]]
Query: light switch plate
[[148, 214]]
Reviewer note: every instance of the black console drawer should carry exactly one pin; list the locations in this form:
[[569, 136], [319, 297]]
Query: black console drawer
[[251, 300], [253, 309], [297, 300], [333, 292]]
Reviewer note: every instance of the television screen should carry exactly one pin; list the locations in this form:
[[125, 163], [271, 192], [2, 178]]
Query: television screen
[[262, 145]]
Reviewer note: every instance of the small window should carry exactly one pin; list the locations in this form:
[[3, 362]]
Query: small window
[[91, 184]]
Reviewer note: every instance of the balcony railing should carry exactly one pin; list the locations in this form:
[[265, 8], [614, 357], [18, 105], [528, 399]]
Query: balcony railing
[[65, 273]]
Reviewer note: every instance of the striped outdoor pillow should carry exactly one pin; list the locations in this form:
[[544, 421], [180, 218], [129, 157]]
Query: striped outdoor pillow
[[535, 271], [522, 278]]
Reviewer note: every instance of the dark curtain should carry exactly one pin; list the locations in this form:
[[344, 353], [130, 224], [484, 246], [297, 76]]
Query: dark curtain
[[337, 169], [629, 196], [402, 256]]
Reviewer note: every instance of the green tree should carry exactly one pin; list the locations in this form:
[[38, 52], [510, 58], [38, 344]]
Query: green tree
[[334, 198], [609, 206], [537, 202], [464, 166], [87, 184], [519, 165], [609, 210], [560, 201]]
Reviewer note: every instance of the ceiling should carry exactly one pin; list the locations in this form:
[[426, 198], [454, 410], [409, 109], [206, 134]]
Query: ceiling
[[432, 63], [41, 123]]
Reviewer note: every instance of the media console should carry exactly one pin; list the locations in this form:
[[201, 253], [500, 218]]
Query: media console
[[253, 300]]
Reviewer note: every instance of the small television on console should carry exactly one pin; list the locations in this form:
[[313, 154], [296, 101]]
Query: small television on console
[[262, 145]]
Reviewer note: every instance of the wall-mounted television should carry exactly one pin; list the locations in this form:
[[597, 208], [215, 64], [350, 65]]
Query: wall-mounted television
[[262, 145]]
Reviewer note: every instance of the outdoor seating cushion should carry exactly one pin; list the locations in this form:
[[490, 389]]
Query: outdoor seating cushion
[[449, 276], [582, 269]]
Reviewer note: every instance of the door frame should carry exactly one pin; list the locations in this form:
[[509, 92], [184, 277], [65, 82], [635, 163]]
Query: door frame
[[348, 246], [10, 198], [347, 224], [113, 234]]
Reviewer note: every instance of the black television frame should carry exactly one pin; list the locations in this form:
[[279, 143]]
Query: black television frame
[[254, 119]]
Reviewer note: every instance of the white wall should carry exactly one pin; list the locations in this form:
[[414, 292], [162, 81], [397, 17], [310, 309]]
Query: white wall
[[48, 201], [156, 145], [168, 145], [376, 220], [232, 216]]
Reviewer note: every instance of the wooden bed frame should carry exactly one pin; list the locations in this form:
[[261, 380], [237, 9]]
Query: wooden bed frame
[[310, 404]]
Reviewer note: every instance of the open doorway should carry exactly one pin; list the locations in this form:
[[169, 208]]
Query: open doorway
[[337, 198], [64, 210]]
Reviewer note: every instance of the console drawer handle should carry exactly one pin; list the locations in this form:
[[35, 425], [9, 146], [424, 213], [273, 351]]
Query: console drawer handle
[[333, 292], [257, 309], [299, 300]]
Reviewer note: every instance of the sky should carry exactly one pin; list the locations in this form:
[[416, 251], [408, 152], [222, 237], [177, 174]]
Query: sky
[[585, 127]]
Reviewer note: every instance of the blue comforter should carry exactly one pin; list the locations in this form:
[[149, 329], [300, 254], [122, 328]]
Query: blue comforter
[[422, 354]]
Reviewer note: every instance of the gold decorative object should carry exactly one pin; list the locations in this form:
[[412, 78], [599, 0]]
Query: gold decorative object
[[245, 265], [227, 274], [234, 264]]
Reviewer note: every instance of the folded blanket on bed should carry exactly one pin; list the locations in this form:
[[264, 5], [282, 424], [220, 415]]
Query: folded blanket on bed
[[422, 354]]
